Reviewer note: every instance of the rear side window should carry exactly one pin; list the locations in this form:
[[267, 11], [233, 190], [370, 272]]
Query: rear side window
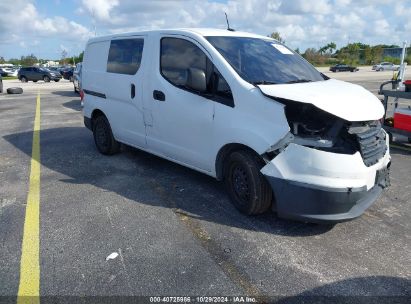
[[124, 56]]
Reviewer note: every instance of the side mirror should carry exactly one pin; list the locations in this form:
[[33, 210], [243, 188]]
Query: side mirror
[[196, 80]]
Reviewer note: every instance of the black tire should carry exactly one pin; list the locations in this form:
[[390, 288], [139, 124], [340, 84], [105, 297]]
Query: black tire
[[46, 78], [248, 189], [23, 79], [71, 78], [34, 80], [103, 136], [409, 140], [15, 90], [75, 90], [56, 80]]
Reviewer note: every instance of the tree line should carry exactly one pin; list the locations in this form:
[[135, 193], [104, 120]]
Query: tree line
[[356, 53], [31, 59]]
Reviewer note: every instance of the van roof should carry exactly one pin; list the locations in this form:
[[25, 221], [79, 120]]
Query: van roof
[[197, 31]]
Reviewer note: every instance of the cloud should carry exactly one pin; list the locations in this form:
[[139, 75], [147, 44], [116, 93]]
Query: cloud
[[349, 21], [301, 23], [402, 10], [27, 22], [381, 27], [305, 7], [342, 3], [100, 9]]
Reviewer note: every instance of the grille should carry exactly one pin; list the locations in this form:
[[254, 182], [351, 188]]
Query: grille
[[371, 141]]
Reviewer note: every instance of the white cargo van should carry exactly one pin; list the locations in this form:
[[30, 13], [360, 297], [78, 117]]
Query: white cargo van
[[244, 109]]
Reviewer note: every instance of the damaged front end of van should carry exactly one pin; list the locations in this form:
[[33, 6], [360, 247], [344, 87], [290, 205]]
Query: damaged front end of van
[[334, 162]]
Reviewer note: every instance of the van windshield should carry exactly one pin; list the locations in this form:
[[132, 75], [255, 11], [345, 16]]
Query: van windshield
[[261, 61]]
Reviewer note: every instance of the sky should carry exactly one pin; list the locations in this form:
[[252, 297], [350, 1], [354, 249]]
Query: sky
[[47, 27]]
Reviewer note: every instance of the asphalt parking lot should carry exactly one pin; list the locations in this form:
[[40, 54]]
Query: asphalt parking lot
[[174, 230]]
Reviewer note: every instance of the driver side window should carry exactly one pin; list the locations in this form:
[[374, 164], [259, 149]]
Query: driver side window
[[186, 66], [177, 57]]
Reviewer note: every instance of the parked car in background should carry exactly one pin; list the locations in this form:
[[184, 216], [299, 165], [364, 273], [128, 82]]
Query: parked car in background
[[54, 69], [343, 68], [12, 71], [77, 77], [8, 71], [68, 74], [385, 66], [35, 73], [3, 72], [1, 84]]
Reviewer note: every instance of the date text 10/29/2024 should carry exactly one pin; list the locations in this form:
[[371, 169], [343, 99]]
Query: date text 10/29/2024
[[204, 299]]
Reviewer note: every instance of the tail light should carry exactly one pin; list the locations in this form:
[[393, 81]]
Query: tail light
[[81, 95]]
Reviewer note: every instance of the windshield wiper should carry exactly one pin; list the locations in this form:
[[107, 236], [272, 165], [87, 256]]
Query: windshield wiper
[[299, 81], [263, 82]]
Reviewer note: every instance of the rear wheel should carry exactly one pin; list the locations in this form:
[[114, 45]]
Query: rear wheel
[[247, 187], [71, 78], [46, 79], [103, 136], [56, 80]]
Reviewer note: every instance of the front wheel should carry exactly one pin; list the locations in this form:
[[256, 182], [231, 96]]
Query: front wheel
[[56, 80], [23, 79], [46, 79], [103, 136], [248, 189]]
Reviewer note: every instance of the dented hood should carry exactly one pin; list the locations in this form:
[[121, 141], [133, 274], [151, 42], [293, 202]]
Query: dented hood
[[345, 100]]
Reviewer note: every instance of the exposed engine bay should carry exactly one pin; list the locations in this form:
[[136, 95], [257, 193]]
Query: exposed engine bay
[[318, 129]]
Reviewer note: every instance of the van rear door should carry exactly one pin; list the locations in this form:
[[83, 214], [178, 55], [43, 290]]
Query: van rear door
[[123, 86]]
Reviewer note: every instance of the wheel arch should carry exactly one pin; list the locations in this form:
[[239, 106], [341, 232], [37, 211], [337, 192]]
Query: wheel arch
[[96, 113], [224, 153]]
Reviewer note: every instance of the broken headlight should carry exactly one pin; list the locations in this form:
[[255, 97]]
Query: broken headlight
[[313, 127]]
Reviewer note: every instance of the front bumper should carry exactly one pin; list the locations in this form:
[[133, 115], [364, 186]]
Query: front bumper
[[318, 186], [308, 203]]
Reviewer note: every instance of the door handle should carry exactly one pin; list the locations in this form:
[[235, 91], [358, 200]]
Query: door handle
[[158, 95], [133, 91]]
